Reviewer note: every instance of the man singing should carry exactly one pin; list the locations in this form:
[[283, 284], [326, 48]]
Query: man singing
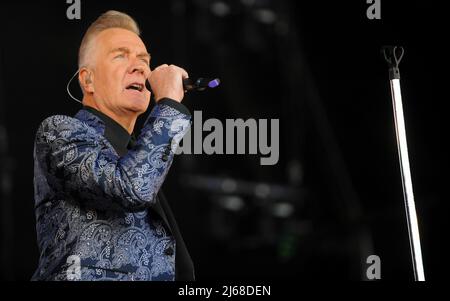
[[100, 214]]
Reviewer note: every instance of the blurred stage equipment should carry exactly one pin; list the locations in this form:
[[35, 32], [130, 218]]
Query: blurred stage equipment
[[268, 211], [393, 56], [6, 208], [267, 31], [224, 185], [6, 202]]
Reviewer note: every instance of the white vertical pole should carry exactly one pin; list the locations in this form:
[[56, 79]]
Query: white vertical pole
[[413, 228]]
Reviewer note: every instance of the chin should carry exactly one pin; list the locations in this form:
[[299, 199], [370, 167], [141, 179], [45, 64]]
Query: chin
[[137, 105]]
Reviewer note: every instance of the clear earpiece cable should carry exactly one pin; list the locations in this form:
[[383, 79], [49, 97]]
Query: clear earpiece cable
[[68, 88]]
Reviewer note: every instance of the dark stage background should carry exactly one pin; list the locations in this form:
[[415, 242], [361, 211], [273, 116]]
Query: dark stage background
[[334, 197]]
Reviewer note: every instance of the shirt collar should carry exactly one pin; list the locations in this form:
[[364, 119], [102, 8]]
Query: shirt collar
[[119, 138]]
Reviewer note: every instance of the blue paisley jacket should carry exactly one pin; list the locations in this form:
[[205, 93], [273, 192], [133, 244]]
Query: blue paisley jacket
[[92, 216]]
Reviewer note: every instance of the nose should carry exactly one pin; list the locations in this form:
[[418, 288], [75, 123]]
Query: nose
[[137, 68], [140, 68]]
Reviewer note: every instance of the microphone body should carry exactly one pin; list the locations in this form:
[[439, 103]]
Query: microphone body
[[200, 84]]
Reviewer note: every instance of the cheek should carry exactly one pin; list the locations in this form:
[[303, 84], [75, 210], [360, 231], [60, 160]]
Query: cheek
[[110, 80], [119, 74], [116, 81], [114, 73]]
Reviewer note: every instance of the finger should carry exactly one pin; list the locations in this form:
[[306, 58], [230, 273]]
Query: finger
[[183, 72], [161, 66]]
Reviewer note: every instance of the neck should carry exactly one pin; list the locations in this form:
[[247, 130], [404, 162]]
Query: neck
[[125, 118]]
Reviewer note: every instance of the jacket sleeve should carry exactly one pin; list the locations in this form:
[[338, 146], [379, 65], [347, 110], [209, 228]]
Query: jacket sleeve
[[82, 165]]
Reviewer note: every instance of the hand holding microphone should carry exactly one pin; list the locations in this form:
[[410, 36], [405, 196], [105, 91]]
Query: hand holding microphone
[[173, 81], [167, 81]]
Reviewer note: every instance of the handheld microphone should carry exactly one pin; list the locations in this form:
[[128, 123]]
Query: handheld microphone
[[201, 84]]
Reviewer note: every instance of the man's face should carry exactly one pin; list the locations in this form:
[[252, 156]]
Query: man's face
[[121, 67]]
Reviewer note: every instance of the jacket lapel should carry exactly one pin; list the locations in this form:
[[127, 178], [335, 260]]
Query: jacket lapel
[[96, 123]]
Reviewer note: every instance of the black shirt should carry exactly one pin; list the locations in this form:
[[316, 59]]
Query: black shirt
[[122, 141]]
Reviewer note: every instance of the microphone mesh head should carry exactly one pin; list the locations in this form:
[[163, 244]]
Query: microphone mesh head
[[214, 83]]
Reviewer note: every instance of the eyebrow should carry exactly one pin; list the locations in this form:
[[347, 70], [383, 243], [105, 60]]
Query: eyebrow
[[127, 50]]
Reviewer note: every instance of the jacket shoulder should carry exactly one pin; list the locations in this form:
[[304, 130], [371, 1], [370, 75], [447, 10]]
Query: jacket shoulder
[[62, 126], [55, 120]]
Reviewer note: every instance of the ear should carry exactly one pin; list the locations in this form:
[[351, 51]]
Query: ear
[[86, 80]]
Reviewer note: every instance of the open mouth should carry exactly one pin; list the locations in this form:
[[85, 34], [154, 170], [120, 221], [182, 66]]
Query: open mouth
[[136, 86]]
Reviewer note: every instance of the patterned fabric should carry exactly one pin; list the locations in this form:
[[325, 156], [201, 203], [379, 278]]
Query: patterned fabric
[[92, 216]]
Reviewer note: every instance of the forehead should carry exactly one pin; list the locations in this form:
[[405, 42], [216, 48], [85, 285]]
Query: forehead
[[117, 37]]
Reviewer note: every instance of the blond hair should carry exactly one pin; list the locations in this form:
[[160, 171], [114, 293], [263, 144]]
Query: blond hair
[[110, 19]]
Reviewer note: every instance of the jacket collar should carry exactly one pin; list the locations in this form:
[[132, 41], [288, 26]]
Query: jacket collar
[[91, 120], [116, 135]]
